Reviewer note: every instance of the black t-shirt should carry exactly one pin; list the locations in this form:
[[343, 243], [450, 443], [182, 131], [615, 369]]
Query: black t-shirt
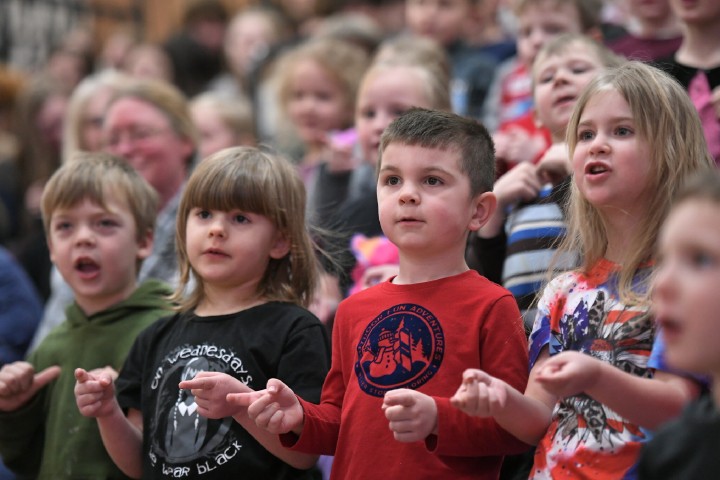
[[274, 340], [686, 448], [684, 73]]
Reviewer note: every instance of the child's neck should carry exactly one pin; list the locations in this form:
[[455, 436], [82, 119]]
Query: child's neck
[[225, 301], [668, 27], [700, 47], [621, 230], [419, 269], [92, 305]]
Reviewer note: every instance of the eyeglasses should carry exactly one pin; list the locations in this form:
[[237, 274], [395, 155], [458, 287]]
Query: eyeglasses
[[134, 135]]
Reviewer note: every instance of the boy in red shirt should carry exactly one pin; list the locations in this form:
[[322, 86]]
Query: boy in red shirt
[[400, 347]]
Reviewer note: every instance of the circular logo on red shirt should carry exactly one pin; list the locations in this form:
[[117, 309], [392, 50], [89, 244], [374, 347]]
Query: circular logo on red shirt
[[402, 347]]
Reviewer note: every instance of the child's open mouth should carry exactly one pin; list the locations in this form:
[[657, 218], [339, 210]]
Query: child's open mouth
[[87, 266], [596, 169]]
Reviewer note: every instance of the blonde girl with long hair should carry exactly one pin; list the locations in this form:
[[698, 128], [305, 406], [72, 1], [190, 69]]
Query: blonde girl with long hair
[[634, 137]]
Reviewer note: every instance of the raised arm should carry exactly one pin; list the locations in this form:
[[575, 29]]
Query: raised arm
[[215, 395], [647, 402], [121, 435], [520, 183]]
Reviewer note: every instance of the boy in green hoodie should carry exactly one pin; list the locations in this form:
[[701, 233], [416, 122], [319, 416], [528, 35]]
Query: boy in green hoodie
[[98, 214]]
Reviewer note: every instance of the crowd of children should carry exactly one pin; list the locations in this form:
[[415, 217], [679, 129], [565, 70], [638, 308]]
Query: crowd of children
[[479, 242]]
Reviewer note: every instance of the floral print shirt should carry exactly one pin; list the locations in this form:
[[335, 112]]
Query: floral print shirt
[[582, 312]]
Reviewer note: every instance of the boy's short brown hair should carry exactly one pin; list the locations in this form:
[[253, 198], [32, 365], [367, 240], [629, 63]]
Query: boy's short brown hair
[[95, 176], [447, 131]]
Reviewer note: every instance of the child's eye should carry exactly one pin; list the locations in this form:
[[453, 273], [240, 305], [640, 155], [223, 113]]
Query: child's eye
[[584, 135], [392, 180], [580, 69], [399, 111], [623, 131], [240, 218], [367, 113], [700, 259], [432, 181], [61, 226], [545, 78], [204, 214], [553, 29], [107, 223], [323, 96]]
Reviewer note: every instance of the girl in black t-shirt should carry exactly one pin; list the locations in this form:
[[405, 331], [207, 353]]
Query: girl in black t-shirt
[[249, 266]]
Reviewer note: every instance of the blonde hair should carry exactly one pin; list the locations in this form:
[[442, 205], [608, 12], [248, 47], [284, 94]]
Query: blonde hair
[[168, 100], [111, 80], [414, 49], [355, 28], [95, 177], [568, 42], [423, 55], [667, 121], [255, 181], [235, 112], [435, 84], [344, 62]]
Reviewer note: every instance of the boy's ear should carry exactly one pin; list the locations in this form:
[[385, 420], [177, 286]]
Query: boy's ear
[[145, 245], [281, 247], [484, 206], [50, 248]]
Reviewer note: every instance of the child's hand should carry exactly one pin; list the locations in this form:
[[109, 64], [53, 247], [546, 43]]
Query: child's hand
[[19, 383], [480, 394], [340, 151], [522, 183], [107, 371], [555, 165], [515, 145], [211, 389], [568, 373], [95, 392], [412, 415], [275, 409]]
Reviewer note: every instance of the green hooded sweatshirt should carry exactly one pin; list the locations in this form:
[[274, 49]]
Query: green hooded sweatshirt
[[48, 438]]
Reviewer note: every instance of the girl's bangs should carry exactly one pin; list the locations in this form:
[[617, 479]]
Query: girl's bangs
[[229, 187]]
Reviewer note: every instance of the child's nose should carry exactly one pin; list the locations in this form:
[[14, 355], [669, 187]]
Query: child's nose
[[84, 235], [381, 121], [537, 39], [217, 228], [561, 76], [308, 103], [409, 194], [599, 144]]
